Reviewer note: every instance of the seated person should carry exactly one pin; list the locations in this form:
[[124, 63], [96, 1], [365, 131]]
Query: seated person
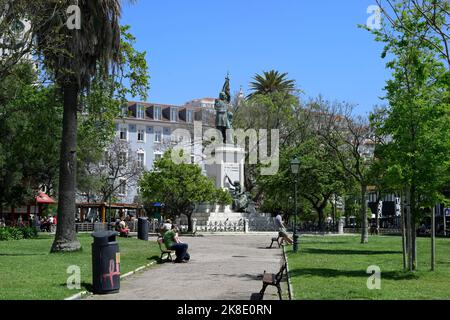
[[167, 225], [172, 242], [282, 229], [123, 229]]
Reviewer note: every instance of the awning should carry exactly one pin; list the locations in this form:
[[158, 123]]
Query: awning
[[43, 198]]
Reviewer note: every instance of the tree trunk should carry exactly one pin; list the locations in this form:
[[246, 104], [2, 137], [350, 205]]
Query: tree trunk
[[189, 219], [433, 239], [408, 230], [65, 239], [442, 212], [321, 218], [413, 228], [377, 216], [364, 225], [403, 226]]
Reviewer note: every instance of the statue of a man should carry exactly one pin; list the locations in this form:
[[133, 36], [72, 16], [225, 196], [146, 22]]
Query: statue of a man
[[224, 116]]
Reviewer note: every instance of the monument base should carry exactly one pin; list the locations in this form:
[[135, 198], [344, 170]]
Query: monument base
[[226, 165]]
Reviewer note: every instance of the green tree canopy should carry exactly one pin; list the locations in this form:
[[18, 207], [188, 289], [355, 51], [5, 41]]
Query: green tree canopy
[[179, 187]]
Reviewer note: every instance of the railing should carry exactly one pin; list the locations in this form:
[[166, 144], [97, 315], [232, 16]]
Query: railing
[[394, 231], [222, 226], [241, 225]]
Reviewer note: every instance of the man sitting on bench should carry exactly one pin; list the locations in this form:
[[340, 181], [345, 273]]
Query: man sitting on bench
[[282, 229], [172, 242]]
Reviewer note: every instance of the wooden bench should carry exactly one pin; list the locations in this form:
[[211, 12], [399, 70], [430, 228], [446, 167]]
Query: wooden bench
[[164, 250], [273, 279], [278, 240]]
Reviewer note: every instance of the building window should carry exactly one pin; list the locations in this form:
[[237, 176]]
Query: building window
[[158, 135], [122, 159], [192, 159], [141, 159], [122, 187], [140, 112], [190, 116], [123, 133], [141, 135], [158, 156], [157, 113], [173, 114]]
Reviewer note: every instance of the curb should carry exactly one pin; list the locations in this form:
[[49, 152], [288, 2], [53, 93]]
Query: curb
[[290, 288], [83, 294]]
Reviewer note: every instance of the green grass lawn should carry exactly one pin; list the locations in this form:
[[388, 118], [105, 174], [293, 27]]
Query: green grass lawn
[[29, 272], [335, 268]]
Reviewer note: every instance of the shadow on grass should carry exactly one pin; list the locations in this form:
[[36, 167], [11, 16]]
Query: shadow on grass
[[349, 252], [22, 254], [333, 273]]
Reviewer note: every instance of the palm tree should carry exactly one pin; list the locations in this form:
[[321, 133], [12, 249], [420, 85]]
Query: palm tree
[[269, 82], [73, 57]]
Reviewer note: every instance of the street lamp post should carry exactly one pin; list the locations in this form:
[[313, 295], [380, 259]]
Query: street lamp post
[[295, 166], [111, 187]]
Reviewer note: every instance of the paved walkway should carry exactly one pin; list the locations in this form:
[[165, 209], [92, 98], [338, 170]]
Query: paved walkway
[[222, 267]]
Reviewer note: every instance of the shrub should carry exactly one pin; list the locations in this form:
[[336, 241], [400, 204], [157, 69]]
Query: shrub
[[29, 233], [16, 234], [5, 234]]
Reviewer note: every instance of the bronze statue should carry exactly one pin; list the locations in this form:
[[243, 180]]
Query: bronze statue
[[224, 116], [241, 199]]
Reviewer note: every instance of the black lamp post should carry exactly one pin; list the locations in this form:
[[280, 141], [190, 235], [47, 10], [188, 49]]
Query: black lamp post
[[295, 166], [111, 180]]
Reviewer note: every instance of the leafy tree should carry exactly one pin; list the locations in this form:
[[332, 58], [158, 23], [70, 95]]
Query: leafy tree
[[351, 140], [432, 17], [30, 118], [101, 107], [179, 187], [273, 105], [119, 163], [319, 177], [74, 58], [416, 120]]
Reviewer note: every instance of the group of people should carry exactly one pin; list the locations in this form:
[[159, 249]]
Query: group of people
[[122, 228], [46, 223], [169, 233]]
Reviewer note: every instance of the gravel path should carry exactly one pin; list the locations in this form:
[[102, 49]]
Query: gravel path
[[222, 267]]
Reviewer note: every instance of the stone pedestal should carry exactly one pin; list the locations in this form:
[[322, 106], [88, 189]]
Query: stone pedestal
[[228, 160], [341, 225]]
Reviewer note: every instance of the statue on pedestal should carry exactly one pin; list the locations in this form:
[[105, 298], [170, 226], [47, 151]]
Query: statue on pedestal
[[241, 199], [224, 116]]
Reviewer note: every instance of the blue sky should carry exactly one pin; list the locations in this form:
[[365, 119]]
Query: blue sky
[[192, 44]]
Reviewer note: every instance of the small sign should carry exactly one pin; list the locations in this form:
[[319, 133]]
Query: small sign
[[118, 257]]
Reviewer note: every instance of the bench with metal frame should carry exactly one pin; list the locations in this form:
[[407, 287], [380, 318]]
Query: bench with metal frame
[[164, 251], [274, 279], [278, 240]]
